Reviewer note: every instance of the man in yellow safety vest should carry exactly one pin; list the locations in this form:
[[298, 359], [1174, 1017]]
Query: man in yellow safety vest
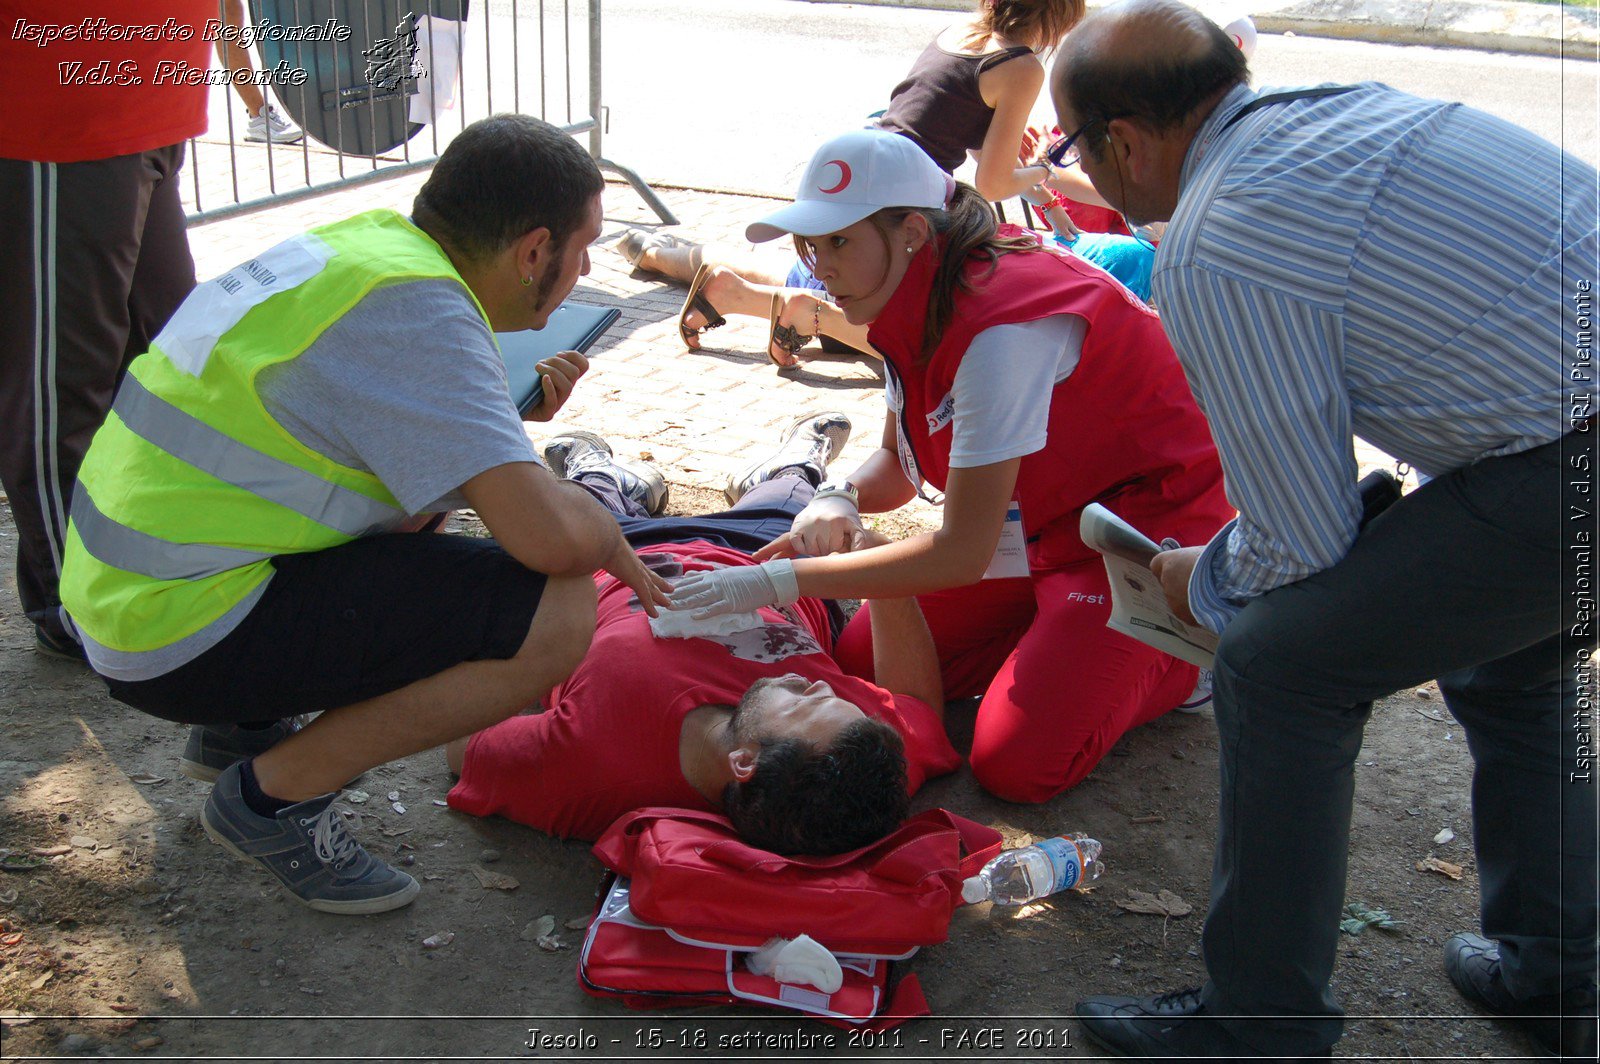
[[235, 556]]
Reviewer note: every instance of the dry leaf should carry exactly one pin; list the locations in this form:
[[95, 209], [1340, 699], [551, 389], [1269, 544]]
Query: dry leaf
[[443, 938], [148, 1043], [1164, 903], [1431, 863], [392, 832], [147, 779], [496, 881], [579, 923], [120, 1006], [38, 984], [549, 943], [356, 796], [85, 842], [1443, 837]]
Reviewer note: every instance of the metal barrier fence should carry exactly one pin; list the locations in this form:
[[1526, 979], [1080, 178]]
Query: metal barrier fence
[[379, 88]]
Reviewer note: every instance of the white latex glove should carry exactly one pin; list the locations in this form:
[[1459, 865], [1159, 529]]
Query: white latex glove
[[738, 589], [825, 526]]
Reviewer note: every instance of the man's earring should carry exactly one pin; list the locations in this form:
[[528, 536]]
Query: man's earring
[[526, 281], [910, 250]]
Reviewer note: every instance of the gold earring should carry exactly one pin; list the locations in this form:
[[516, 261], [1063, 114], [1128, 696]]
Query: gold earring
[[526, 281]]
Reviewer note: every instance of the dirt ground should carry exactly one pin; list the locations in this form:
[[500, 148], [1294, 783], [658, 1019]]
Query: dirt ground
[[135, 935]]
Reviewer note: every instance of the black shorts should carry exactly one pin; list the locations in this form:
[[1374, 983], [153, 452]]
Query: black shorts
[[350, 623]]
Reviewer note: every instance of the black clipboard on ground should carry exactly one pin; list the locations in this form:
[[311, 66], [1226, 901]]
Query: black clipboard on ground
[[572, 327]]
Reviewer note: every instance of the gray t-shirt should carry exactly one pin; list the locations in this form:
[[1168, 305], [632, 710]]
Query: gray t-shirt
[[408, 386]]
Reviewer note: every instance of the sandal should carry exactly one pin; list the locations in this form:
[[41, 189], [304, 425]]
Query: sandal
[[784, 337], [697, 302]]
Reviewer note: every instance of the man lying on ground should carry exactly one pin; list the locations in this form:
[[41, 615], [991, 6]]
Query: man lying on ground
[[751, 718]]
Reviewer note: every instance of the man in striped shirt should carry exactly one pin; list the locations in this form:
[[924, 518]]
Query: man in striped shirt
[[1324, 274]]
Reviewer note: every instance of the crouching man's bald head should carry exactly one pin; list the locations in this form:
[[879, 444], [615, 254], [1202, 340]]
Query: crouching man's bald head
[[1134, 81]]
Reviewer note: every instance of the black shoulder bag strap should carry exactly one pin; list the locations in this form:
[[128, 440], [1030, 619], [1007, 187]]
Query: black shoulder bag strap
[[1284, 97]]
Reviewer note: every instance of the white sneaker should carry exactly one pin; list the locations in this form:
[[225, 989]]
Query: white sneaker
[[1200, 697], [269, 125]]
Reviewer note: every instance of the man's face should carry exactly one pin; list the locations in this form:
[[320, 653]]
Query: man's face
[[563, 267], [792, 707]]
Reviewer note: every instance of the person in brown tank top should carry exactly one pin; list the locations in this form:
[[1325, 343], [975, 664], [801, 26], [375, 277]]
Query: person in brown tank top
[[970, 90]]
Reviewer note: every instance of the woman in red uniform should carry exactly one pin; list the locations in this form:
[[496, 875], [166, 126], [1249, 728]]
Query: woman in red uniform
[[1023, 384]]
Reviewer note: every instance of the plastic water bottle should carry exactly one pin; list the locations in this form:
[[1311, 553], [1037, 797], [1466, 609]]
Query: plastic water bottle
[[1029, 873]]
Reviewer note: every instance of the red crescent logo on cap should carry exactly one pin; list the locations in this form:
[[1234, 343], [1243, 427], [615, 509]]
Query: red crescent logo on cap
[[844, 177]]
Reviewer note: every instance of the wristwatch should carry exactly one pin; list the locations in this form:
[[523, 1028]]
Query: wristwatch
[[831, 489]]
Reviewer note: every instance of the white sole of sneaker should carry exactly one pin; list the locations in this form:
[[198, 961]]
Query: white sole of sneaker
[[364, 907]]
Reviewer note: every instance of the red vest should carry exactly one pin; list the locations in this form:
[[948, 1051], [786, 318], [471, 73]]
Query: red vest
[[1124, 430]]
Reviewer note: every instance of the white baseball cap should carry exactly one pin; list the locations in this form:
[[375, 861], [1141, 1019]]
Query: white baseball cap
[[853, 176], [1242, 31]]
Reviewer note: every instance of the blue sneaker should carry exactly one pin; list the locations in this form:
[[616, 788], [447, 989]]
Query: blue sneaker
[[212, 748], [308, 848]]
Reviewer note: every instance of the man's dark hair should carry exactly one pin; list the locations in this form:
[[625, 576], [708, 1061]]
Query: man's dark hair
[[801, 799], [1157, 61], [502, 177]]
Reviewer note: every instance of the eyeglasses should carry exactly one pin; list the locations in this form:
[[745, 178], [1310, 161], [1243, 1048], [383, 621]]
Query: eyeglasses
[[1064, 152]]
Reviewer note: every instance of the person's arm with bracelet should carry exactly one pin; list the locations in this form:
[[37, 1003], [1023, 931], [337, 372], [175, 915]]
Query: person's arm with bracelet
[[829, 522], [1013, 88]]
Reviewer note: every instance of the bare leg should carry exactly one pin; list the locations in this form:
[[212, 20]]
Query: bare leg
[[234, 57], [345, 742]]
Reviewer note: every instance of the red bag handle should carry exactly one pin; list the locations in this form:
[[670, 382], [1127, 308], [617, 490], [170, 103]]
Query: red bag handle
[[617, 847]]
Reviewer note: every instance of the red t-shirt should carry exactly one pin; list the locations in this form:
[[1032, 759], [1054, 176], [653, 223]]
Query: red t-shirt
[[609, 742], [94, 79]]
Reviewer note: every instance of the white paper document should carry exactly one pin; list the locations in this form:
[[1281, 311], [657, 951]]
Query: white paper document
[[1138, 605]]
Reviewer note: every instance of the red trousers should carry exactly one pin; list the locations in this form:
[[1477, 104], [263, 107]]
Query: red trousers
[[1058, 687]]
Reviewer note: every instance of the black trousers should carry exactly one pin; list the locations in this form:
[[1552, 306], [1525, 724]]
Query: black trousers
[[1459, 581], [95, 259]]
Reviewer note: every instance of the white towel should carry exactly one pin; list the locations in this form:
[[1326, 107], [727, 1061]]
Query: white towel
[[799, 961]]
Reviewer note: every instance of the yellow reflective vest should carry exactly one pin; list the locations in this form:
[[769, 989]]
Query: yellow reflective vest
[[191, 488]]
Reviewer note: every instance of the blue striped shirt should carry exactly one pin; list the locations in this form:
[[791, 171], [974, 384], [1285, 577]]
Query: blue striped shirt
[[1374, 264]]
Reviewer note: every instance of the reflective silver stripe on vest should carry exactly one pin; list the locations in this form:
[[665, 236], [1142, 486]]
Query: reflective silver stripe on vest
[[139, 552], [188, 438]]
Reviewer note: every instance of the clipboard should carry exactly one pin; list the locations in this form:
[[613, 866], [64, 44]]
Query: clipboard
[[572, 327]]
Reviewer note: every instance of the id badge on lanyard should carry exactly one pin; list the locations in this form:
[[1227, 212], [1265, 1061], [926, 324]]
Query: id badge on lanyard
[[894, 395], [1011, 553]]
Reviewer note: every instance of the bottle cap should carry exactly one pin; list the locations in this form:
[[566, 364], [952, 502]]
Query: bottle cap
[[973, 890]]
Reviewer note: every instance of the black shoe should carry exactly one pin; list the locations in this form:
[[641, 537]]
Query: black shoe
[[211, 749], [810, 444], [584, 452], [1561, 1025], [60, 647], [1167, 1026]]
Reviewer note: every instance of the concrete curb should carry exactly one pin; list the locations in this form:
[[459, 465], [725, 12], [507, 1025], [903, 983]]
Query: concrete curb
[[1489, 25]]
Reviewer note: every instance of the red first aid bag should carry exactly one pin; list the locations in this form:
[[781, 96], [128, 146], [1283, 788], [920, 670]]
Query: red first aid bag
[[696, 900]]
